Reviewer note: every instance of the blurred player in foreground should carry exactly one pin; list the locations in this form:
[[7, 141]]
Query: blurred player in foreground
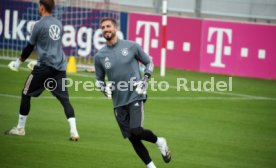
[[119, 60], [49, 70]]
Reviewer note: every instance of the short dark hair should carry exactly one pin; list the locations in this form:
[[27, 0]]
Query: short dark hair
[[48, 4], [114, 22]]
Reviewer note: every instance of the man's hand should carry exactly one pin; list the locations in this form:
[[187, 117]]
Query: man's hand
[[14, 65], [108, 90], [31, 64], [141, 86]]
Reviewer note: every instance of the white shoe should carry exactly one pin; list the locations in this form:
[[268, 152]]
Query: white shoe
[[16, 131], [74, 136], [164, 149]]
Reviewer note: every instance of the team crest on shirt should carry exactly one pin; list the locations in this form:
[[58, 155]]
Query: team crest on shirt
[[54, 32], [107, 65], [124, 51]]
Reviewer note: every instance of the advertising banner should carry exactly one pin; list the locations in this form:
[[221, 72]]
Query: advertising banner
[[183, 39], [239, 49], [81, 26]]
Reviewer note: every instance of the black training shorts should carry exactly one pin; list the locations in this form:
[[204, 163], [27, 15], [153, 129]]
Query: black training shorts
[[45, 77], [130, 116]]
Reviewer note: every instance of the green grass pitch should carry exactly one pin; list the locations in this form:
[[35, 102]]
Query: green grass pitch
[[204, 130]]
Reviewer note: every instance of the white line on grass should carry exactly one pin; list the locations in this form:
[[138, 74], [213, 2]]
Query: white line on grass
[[171, 86], [69, 74], [228, 93], [21, 68]]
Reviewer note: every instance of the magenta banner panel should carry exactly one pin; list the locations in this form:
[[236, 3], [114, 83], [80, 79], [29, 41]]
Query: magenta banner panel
[[231, 48], [183, 39], [239, 49]]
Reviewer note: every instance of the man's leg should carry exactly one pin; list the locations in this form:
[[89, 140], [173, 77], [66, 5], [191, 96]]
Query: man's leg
[[63, 96], [68, 108], [122, 117], [141, 151], [70, 115], [144, 134], [32, 87], [136, 129], [136, 112], [24, 110]]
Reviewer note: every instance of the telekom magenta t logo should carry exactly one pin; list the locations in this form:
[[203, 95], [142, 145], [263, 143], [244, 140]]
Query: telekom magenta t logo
[[219, 45], [147, 32]]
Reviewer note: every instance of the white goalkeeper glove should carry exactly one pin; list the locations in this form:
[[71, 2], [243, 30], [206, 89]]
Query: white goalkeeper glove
[[141, 86], [31, 64], [14, 65], [108, 90]]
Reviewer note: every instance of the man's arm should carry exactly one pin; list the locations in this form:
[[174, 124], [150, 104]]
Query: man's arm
[[14, 65], [31, 44], [26, 52], [144, 59], [100, 75], [141, 86]]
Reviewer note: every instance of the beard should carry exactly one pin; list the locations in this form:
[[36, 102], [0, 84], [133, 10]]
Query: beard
[[109, 37]]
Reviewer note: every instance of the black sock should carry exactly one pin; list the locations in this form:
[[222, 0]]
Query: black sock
[[140, 149], [25, 105]]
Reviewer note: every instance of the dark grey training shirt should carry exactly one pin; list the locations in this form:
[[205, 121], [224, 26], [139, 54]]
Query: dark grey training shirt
[[47, 36], [120, 63]]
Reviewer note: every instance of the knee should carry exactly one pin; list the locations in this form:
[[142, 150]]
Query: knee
[[136, 131]]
